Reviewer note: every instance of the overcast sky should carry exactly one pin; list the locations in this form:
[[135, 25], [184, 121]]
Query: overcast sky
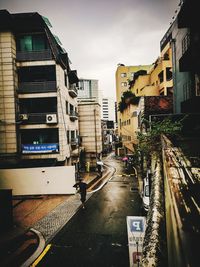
[[99, 34]]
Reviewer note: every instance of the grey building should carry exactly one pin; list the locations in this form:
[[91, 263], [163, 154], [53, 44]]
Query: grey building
[[184, 35]]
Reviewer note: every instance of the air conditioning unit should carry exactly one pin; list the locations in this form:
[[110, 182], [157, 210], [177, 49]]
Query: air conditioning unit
[[23, 117], [51, 118]]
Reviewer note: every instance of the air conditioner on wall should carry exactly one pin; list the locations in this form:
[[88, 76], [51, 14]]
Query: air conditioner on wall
[[51, 118], [23, 117]]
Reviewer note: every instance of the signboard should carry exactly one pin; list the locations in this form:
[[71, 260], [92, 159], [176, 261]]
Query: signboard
[[39, 148], [136, 228]]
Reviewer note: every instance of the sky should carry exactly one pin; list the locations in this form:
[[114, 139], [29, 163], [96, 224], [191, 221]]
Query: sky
[[99, 34]]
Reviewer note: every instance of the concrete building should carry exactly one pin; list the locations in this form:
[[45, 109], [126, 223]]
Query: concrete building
[[123, 75], [153, 80], [88, 90], [108, 109], [90, 131], [184, 35], [38, 109]]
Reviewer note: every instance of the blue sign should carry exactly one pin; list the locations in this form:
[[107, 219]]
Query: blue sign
[[136, 225], [39, 148]]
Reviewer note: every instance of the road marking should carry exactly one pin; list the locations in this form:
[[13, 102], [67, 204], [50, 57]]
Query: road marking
[[41, 256]]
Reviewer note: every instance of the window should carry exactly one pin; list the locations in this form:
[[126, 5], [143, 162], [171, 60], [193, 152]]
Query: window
[[67, 137], [123, 75], [124, 84], [185, 43], [161, 76], [168, 74], [197, 84], [32, 43], [67, 107]]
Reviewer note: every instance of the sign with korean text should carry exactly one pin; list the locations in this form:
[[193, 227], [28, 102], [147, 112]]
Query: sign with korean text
[[39, 148], [136, 226]]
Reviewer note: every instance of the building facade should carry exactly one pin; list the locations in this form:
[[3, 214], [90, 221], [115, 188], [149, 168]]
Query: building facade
[[108, 109], [38, 110], [88, 90], [90, 131]]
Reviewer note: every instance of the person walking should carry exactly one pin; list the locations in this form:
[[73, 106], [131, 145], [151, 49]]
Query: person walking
[[82, 187]]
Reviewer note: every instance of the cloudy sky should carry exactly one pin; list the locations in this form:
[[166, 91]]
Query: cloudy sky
[[99, 34]]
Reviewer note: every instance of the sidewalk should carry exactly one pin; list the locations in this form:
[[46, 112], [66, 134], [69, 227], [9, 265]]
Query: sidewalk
[[36, 221]]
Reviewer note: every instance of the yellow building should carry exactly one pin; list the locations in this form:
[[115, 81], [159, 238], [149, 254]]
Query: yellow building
[[124, 74], [146, 80]]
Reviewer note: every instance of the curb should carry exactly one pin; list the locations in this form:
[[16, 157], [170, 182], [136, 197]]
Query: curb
[[38, 251]]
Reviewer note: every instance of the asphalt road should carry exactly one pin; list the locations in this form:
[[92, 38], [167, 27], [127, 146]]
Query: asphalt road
[[97, 236]]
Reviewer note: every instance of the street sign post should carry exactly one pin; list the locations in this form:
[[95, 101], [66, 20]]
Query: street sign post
[[136, 228]]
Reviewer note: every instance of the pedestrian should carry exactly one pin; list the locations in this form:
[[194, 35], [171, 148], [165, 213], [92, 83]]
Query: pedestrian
[[82, 187]]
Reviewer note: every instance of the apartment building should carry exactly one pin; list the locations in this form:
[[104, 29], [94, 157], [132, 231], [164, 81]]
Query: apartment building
[[90, 131], [38, 88], [125, 120], [108, 109], [184, 35], [124, 74], [153, 80], [88, 90]]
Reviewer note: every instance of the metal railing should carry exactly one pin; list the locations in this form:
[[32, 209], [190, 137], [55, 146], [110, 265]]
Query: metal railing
[[37, 87], [34, 55], [73, 114]]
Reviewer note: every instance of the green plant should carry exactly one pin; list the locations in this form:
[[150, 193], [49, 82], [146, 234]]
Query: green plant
[[150, 141], [127, 98]]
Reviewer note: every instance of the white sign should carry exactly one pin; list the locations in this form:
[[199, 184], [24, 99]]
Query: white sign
[[136, 228]]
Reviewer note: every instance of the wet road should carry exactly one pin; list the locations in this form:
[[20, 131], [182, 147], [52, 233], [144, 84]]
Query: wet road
[[97, 236]]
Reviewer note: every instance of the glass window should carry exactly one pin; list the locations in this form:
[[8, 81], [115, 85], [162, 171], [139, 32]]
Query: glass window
[[123, 75], [32, 43], [26, 43], [38, 43], [132, 74], [124, 84]]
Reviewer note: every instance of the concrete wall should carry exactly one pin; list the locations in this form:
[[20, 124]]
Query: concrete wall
[[39, 181]]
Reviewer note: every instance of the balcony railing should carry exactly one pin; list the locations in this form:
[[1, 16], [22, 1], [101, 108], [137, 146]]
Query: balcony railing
[[34, 55], [73, 92], [37, 87], [73, 115], [74, 142], [38, 118]]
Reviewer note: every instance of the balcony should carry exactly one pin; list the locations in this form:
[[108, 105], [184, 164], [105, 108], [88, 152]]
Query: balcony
[[73, 92], [74, 143], [189, 61], [73, 115], [34, 55], [37, 87], [38, 118]]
